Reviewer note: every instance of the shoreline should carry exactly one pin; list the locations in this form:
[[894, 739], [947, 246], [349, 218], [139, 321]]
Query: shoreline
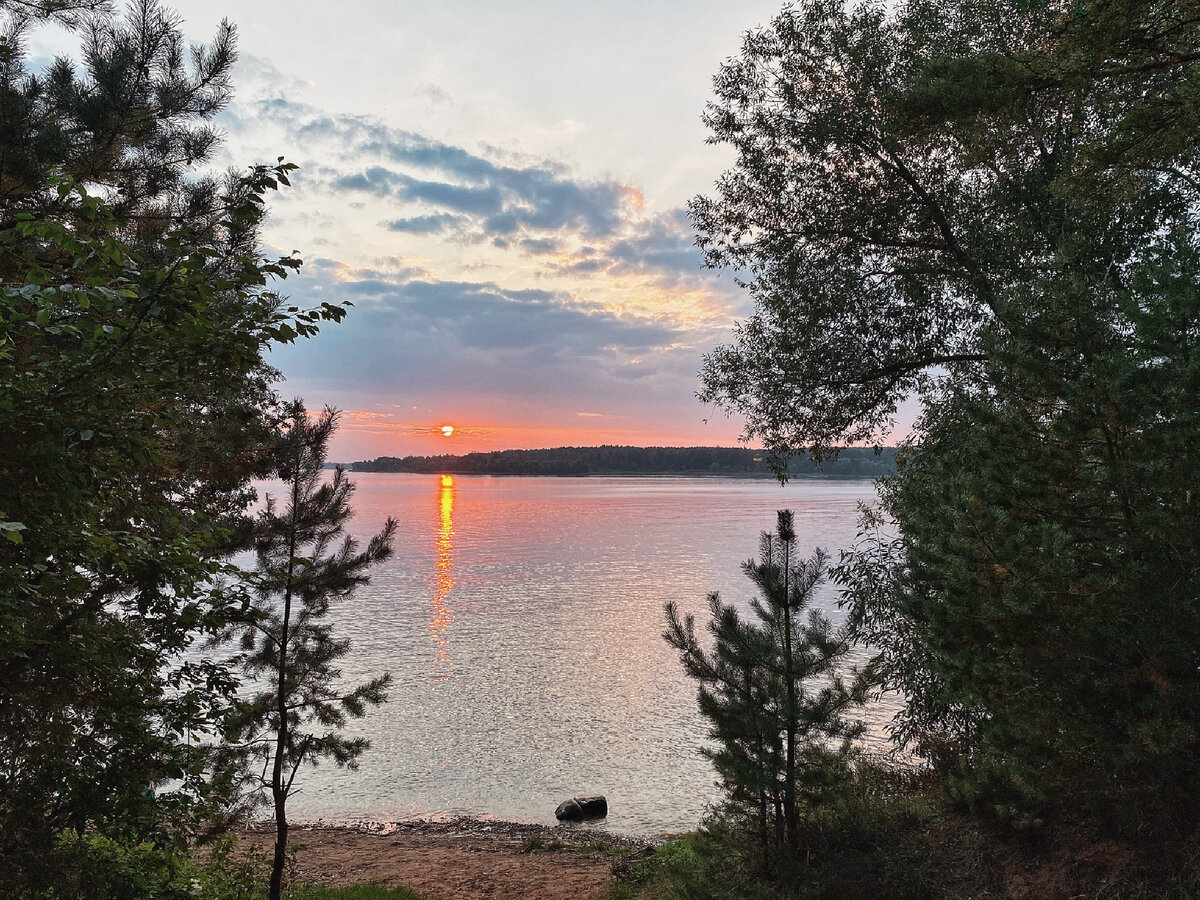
[[459, 858], [569, 833]]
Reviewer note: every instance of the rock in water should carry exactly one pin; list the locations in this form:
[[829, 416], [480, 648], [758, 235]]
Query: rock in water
[[582, 806], [569, 811], [594, 806]]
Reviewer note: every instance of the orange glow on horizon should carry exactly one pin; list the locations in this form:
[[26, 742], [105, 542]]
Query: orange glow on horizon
[[368, 434]]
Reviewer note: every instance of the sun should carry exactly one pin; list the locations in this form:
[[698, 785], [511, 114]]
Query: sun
[[447, 430]]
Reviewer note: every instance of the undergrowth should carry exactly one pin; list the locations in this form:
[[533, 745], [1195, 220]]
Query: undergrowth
[[891, 835], [98, 867]]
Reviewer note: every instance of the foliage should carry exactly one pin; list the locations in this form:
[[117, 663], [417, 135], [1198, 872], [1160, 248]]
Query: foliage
[[305, 563], [703, 866], [131, 126], [872, 842], [136, 407], [772, 691], [992, 206], [134, 415], [95, 867]]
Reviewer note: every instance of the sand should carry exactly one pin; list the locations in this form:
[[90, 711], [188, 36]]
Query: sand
[[458, 859]]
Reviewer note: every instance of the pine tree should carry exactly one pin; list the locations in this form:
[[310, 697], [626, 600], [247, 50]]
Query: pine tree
[[136, 402], [130, 120], [306, 562], [772, 689]]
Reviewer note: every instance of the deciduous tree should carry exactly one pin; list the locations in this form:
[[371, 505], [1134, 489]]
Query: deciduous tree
[[136, 406], [991, 207]]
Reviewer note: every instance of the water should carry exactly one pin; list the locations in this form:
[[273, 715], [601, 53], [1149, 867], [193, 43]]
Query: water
[[521, 621]]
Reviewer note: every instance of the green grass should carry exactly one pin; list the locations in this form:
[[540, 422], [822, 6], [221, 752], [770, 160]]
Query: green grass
[[537, 845]]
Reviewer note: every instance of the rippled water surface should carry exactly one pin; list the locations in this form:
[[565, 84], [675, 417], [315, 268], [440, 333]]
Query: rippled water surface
[[521, 622]]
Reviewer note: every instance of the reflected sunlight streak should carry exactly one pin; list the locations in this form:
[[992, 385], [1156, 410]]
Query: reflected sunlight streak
[[440, 615]]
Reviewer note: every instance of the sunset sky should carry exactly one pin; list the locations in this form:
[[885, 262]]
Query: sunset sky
[[499, 188]]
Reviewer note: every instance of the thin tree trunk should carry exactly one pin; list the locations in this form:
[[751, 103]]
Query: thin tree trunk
[[279, 790], [779, 835], [790, 813], [762, 832], [281, 837]]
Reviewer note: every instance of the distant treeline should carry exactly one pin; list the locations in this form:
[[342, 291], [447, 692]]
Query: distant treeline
[[853, 462]]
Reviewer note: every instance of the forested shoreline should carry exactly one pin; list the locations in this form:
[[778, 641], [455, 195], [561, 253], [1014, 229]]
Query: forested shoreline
[[850, 462]]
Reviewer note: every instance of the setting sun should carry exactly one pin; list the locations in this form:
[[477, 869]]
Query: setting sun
[[447, 430]]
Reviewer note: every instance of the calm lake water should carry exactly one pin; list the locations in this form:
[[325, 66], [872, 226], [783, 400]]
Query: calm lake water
[[521, 621]]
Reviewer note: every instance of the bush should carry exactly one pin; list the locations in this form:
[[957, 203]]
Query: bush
[[97, 867], [712, 864], [866, 837]]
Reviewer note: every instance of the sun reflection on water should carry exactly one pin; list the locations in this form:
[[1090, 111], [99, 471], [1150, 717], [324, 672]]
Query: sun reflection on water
[[440, 615]]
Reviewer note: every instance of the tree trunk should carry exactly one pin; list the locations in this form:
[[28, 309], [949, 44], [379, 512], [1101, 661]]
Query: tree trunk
[[278, 787], [790, 813], [281, 837], [763, 834], [279, 790]]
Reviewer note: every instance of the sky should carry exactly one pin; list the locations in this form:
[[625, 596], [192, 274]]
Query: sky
[[500, 189]]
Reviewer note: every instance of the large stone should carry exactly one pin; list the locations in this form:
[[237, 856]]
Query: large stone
[[582, 806], [569, 811], [594, 806]]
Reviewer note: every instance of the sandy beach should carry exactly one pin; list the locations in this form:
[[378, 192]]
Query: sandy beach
[[458, 859]]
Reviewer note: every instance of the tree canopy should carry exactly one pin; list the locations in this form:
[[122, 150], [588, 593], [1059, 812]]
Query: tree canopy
[[135, 311], [991, 207], [911, 186]]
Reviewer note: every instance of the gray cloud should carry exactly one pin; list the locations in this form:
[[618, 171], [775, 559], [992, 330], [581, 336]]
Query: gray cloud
[[481, 199], [406, 336], [535, 206], [661, 246], [485, 316], [431, 224], [539, 246], [664, 243], [508, 199], [516, 194]]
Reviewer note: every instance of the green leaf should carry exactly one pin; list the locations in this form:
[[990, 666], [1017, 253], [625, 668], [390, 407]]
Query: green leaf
[[12, 531]]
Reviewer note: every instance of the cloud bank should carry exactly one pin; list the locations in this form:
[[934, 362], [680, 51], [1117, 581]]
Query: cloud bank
[[487, 286]]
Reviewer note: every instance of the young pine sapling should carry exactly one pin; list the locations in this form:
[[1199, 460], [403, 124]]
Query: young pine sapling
[[771, 688], [305, 562]]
